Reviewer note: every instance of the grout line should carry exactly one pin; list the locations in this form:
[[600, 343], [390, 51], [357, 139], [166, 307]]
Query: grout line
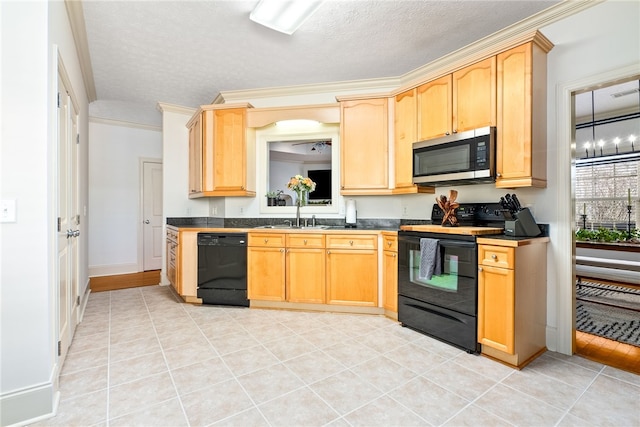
[[582, 393]]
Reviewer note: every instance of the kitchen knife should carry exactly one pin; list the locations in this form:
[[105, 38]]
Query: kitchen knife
[[503, 203], [510, 204], [516, 202]]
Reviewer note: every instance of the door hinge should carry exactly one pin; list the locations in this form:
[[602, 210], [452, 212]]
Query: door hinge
[[59, 223], [58, 99], [78, 219], [77, 138], [78, 300], [59, 348]]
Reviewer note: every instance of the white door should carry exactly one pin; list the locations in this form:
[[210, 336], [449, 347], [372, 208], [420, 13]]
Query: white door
[[74, 200], [153, 239], [64, 224]]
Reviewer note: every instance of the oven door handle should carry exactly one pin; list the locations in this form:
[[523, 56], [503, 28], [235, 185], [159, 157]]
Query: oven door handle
[[457, 244], [443, 242]]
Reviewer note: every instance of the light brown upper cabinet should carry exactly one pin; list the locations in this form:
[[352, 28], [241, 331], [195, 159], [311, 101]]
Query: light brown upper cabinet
[[521, 155], [219, 151], [405, 134], [364, 144], [463, 100]]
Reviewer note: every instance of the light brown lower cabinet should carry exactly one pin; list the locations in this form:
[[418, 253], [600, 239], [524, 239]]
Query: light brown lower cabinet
[[266, 266], [313, 268], [352, 270], [512, 299], [182, 271], [305, 268], [390, 272]]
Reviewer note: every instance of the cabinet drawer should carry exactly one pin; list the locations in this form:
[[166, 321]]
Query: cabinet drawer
[[267, 239], [390, 243], [305, 240], [352, 241], [496, 256], [172, 235]]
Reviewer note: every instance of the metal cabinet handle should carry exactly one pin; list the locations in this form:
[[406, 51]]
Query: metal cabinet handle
[[395, 255], [146, 221], [388, 243], [351, 242], [479, 268], [494, 256], [266, 240], [281, 250], [328, 252], [305, 241]]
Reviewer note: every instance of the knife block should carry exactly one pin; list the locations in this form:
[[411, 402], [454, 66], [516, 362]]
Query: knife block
[[522, 226]]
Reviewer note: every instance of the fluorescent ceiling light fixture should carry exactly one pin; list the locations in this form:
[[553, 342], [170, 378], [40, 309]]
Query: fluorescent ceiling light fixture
[[285, 16], [297, 124]]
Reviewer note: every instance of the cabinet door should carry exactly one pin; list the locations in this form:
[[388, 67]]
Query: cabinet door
[[266, 273], [474, 96], [305, 275], [390, 281], [187, 260], [227, 169], [352, 277], [171, 263], [195, 156], [364, 145], [518, 163], [435, 108], [496, 310], [405, 132]]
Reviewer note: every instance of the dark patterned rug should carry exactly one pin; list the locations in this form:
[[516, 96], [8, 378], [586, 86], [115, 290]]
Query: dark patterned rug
[[608, 311]]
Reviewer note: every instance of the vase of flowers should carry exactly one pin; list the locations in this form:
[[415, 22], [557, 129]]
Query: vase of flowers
[[301, 186]]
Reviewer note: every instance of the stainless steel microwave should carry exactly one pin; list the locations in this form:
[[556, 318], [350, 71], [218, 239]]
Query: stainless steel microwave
[[461, 158]]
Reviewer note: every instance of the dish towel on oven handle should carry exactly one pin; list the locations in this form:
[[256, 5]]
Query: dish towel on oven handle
[[429, 258]]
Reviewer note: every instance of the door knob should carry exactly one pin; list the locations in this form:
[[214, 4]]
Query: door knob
[[146, 221]]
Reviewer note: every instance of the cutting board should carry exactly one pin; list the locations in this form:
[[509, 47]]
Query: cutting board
[[471, 231]]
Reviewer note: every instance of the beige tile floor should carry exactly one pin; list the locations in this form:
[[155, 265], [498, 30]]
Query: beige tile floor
[[140, 357]]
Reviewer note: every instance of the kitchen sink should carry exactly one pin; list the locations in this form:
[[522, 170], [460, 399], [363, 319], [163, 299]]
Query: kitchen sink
[[292, 227]]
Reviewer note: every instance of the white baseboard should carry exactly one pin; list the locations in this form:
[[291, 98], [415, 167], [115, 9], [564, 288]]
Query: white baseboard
[[552, 337], [28, 405], [112, 270]]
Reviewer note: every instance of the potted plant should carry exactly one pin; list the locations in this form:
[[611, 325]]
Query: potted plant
[[272, 197]]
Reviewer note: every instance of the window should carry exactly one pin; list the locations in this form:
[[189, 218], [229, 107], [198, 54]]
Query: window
[[602, 186]]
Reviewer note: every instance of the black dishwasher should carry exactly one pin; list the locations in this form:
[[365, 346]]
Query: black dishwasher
[[222, 268]]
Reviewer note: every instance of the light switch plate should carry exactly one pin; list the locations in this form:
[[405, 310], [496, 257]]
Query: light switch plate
[[8, 210]]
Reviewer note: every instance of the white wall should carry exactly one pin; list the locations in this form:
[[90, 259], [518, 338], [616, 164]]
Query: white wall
[[599, 40], [30, 32], [115, 151]]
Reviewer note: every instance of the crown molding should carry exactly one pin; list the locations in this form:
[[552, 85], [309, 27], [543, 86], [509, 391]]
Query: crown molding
[[513, 35], [79, 32], [371, 85], [164, 107], [124, 123]]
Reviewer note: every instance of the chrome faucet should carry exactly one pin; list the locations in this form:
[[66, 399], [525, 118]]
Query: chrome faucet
[[297, 215], [313, 220], [288, 221]]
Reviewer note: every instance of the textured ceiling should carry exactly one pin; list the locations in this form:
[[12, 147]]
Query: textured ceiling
[[187, 52]]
